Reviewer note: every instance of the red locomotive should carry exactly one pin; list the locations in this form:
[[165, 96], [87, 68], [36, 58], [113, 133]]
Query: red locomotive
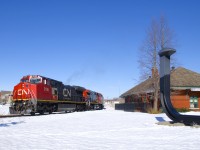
[[38, 94]]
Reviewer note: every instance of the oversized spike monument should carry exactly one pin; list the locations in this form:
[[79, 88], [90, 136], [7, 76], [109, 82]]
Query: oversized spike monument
[[165, 91]]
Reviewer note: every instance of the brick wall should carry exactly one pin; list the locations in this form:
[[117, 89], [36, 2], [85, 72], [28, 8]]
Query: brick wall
[[181, 99]]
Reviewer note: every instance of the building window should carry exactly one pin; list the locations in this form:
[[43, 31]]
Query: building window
[[193, 102]]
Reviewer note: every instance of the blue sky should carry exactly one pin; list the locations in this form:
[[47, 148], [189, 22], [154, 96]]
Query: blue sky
[[91, 43]]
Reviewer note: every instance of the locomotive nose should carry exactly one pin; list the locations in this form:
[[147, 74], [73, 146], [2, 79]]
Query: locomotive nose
[[22, 99], [22, 91]]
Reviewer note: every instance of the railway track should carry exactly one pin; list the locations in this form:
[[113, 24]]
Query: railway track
[[13, 115], [28, 115]]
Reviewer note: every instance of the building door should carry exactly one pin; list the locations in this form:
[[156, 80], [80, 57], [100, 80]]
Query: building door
[[193, 102]]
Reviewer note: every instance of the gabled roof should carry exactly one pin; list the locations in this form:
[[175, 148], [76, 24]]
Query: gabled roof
[[140, 88], [180, 77]]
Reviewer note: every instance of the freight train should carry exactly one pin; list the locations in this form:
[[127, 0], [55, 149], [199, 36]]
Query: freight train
[[38, 94]]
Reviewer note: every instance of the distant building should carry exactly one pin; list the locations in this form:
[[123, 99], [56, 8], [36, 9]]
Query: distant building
[[112, 102], [185, 91], [5, 97]]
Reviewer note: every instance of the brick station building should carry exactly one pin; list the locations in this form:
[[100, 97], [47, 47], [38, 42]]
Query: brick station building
[[185, 91]]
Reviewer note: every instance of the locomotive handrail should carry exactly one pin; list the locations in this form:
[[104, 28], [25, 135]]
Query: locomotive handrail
[[165, 91]]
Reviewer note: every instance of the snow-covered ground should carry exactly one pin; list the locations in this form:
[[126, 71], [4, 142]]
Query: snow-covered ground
[[4, 109], [105, 129]]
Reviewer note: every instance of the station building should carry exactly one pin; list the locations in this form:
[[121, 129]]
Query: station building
[[185, 91]]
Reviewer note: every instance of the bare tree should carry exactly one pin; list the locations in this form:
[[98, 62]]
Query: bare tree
[[158, 36]]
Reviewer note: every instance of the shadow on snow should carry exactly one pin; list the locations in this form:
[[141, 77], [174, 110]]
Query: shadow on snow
[[10, 124]]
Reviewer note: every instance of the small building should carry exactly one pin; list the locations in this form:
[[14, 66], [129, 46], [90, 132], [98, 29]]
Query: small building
[[5, 97], [112, 102], [185, 91]]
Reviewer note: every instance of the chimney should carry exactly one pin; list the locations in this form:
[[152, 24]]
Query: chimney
[[154, 72]]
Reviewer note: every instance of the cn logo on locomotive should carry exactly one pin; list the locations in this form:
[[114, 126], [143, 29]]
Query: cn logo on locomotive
[[67, 92], [23, 92]]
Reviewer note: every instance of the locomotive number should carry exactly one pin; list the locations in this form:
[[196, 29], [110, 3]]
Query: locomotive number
[[46, 89]]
